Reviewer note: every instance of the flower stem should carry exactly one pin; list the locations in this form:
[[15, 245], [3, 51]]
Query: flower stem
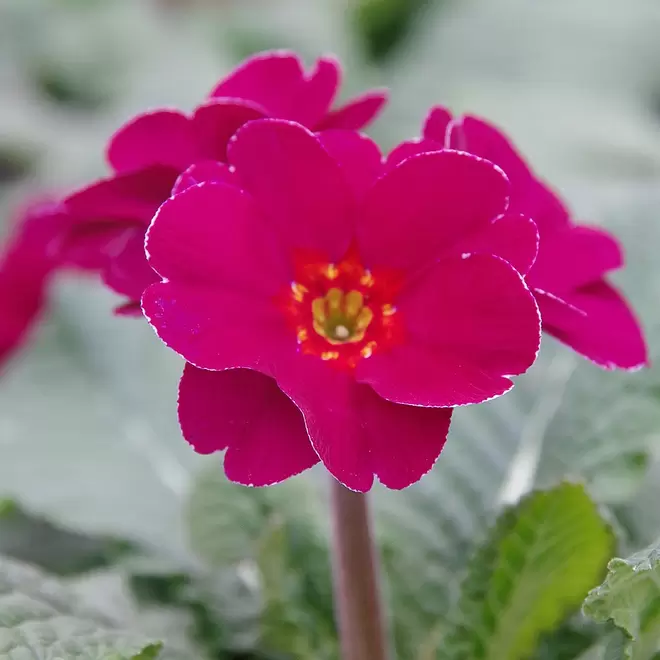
[[356, 577]]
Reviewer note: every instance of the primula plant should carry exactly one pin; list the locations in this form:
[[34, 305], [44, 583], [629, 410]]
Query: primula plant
[[335, 305]]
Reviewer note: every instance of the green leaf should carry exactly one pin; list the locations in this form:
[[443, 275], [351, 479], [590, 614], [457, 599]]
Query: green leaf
[[58, 550], [275, 537], [611, 646], [630, 598], [384, 24], [108, 590], [226, 521], [538, 563], [297, 619], [41, 619], [567, 641], [113, 466], [210, 605]]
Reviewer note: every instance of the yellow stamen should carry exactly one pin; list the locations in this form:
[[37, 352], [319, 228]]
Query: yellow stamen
[[388, 310], [363, 319], [302, 335], [299, 291], [332, 272], [334, 299], [330, 355], [318, 310], [368, 350], [367, 279], [353, 303], [341, 317]]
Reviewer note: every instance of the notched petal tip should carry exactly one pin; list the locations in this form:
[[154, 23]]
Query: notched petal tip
[[328, 60], [162, 136], [244, 412], [356, 113], [436, 124]]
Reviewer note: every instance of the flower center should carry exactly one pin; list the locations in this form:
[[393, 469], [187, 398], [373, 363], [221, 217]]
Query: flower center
[[341, 317], [341, 312]]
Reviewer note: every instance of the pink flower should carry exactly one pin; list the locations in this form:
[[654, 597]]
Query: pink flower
[[578, 305], [148, 153], [28, 260], [372, 301]]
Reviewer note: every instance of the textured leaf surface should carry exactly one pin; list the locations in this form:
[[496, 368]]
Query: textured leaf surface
[[226, 521], [276, 540], [612, 646], [630, 598], [41, 620], [296, 619], [538, 563]]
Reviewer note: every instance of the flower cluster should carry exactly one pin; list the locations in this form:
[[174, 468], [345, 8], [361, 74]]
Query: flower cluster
[[150, 153], [333, 304]]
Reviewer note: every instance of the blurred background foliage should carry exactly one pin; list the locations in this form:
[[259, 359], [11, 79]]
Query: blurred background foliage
[[100, 489]]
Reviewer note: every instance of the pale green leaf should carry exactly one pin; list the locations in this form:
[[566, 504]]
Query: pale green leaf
[[41, 619], [276, 540], [54, 548], [291, 622], [226, 521], [538, 563], [630, 598], [611, 646]]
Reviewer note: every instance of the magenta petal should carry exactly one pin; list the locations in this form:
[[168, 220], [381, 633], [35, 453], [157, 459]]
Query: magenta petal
[[477, 303], [511, 236], [470, 324], [216, 121], [411, 148], [272, 79], [528, 195], [357, 113], [420, 376], [161, 137], [135, 196], [297, 184], [436, 125], [214, 234], [596, 322], [328, 400], [128, 272], [216, 329], [573, 256], [425, 205], [206, 171], [317, 93], [246, 413], [543, 206], [359, 157], [277, 83], [480, 138], [358, 434], [29, 259], [130, 310], [405, 441], [91, 246]]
